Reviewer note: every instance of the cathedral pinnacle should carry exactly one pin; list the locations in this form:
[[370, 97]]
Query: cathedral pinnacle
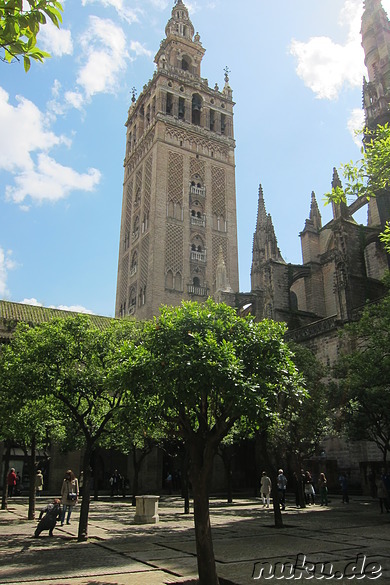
[[261, 211]]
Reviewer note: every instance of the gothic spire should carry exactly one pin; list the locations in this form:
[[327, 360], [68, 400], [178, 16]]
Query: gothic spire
[[265, 245], [314, 222], [339, 209], [261, 212]]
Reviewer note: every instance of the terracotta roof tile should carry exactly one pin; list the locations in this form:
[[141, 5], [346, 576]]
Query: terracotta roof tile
[[34, 315]]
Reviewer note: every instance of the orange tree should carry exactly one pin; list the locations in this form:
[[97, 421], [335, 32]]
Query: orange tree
[[205, 368], [74, 366]]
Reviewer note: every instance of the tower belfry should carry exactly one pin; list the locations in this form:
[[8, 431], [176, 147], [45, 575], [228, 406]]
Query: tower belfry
[[376, 44], [179, 199]]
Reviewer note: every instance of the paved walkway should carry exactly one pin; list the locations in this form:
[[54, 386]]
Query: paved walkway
[[120, 552]]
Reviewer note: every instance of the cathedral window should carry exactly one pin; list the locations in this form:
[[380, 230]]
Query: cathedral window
[[148, 114], [169, 104], [178, 285], [223, 124], [132, 301], [181, 108], [145, 222], [212, 120], [185, 62], [169, 280], [196, 108], [134, 262], [135, 233]]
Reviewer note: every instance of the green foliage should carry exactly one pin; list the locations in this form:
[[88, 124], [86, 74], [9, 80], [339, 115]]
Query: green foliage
[[72, 364], [363, 391], [304, 420], [211, 368], [368, 176], [19, 28]]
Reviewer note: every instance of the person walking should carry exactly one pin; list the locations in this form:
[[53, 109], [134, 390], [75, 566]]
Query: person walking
[[11, 482], [344, 488], [115, 483], [265, 488], [381, 493], [282, 484], [38, 483], [309, 488], [323, 488], [69, 495]]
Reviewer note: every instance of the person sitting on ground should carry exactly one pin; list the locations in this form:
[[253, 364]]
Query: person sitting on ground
[[48, 518]]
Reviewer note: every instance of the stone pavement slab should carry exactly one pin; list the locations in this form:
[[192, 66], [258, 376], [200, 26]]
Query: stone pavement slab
[[120, 552]]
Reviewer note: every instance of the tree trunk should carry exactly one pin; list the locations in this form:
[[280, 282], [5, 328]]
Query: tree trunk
[[200, 473], [7, 457], [94, 465], [227, 457], [32, 470], [84, 512], [185, 482]]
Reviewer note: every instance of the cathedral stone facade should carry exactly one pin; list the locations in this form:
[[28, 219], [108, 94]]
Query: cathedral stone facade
[[178, 235], [343, 261]]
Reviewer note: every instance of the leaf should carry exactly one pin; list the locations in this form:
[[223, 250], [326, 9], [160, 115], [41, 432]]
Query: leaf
[[27, 63]]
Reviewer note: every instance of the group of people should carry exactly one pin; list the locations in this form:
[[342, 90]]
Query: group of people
[[303, 488], [58, 509]]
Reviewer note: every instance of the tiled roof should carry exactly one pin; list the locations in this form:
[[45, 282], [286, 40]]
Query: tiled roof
[[34, 315]]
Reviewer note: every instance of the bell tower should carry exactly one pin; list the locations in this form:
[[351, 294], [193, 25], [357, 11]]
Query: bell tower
[[179, 200], [376, 91]]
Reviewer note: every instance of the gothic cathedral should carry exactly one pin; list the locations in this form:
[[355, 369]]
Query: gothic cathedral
[[178, 236]]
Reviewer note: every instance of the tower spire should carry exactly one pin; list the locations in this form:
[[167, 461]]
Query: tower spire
[[339, 209], [261, 211]]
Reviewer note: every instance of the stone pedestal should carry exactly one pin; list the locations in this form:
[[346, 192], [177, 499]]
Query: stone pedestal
[[146, 511]]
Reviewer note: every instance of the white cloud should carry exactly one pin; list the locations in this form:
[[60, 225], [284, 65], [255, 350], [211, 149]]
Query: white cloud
[[139, 49], [23, 131], [124, 11], [6, 264], [25, 141], [104, 45], [325, 66], [74, 308], [57, 41], [50, 181], [74, 99], [356, 122], [160, 4]]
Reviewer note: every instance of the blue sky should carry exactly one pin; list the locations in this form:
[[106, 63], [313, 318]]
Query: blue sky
[[296, 74]]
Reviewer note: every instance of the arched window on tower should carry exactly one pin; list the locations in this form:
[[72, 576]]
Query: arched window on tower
[[169, 104], [196, 108], [169, 280], [134, 263], [178, 284], [132, 300], [185, 62], [181, 108], [135, 233]]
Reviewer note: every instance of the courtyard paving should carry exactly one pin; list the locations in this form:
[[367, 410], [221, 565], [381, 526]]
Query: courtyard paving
[[120, 552]]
